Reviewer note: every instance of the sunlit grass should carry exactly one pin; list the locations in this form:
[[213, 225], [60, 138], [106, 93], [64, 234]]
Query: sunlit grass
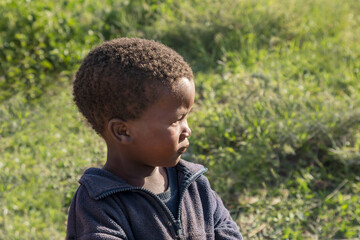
[[276, 118]]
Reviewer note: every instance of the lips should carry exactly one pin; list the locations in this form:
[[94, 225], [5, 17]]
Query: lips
[[182, 150]]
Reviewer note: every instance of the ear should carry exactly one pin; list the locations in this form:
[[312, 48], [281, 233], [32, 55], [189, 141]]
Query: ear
[[118, 130]]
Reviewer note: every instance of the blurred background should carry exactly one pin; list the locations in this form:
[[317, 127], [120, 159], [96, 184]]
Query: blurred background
[[276, 118]]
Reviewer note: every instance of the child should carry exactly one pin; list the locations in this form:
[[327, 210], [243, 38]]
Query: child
[[137, 94]]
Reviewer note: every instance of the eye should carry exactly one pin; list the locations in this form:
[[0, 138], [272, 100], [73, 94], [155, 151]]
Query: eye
[[179, 119]]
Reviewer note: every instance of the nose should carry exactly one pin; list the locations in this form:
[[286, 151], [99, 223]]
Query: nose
[[186, 131]]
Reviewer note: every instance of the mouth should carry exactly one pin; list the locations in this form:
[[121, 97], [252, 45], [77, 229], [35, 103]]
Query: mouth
[[182, 150]]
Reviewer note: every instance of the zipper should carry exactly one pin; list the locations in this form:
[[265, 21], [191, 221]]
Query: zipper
[[180, 231], [176, 222]]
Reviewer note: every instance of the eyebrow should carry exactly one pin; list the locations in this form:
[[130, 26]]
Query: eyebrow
[[181, 113]]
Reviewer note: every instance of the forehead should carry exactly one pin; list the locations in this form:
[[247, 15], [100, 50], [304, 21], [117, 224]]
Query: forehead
[[175, 101], [183, 90]]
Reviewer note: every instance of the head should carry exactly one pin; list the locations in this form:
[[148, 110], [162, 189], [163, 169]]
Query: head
[[122, 84]]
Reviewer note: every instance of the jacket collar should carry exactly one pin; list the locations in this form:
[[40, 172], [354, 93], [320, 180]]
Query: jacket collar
[[99, 181]]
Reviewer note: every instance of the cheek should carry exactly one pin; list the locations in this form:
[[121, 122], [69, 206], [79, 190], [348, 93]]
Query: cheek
[[174, 132], [163, 137], [169, 137]]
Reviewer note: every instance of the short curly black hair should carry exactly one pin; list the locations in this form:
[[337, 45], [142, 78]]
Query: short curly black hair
[[121, 78]]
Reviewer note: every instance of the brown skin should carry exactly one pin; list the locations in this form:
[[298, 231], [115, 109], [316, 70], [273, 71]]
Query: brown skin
[[141, 149]]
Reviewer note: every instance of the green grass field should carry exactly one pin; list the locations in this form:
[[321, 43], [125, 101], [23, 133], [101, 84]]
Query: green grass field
[[276, 118]]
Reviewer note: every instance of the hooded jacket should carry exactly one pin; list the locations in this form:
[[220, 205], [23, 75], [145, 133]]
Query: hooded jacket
[[106, 207]]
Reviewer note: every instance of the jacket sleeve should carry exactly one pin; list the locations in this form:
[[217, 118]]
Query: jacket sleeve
[[224, 225], [89, 219]]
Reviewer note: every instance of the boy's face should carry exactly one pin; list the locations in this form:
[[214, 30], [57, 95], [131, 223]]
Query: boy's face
[[160, 136]]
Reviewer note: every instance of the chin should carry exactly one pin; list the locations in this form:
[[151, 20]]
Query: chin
[[177, 161], [173, 163], [169, 163]]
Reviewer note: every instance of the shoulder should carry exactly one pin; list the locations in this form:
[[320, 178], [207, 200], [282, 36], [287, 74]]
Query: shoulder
[[89, 218], [85, 207]]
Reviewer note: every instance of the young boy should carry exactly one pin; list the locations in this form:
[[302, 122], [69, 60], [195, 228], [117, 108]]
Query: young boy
[[137, 94]]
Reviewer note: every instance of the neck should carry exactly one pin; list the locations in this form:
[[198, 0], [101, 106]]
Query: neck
[[139, 175]]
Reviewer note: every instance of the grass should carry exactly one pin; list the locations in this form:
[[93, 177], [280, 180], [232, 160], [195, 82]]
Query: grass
[[43, 158], [276, 118]]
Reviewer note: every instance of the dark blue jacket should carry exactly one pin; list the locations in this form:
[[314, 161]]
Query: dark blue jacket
[[106, 207]]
